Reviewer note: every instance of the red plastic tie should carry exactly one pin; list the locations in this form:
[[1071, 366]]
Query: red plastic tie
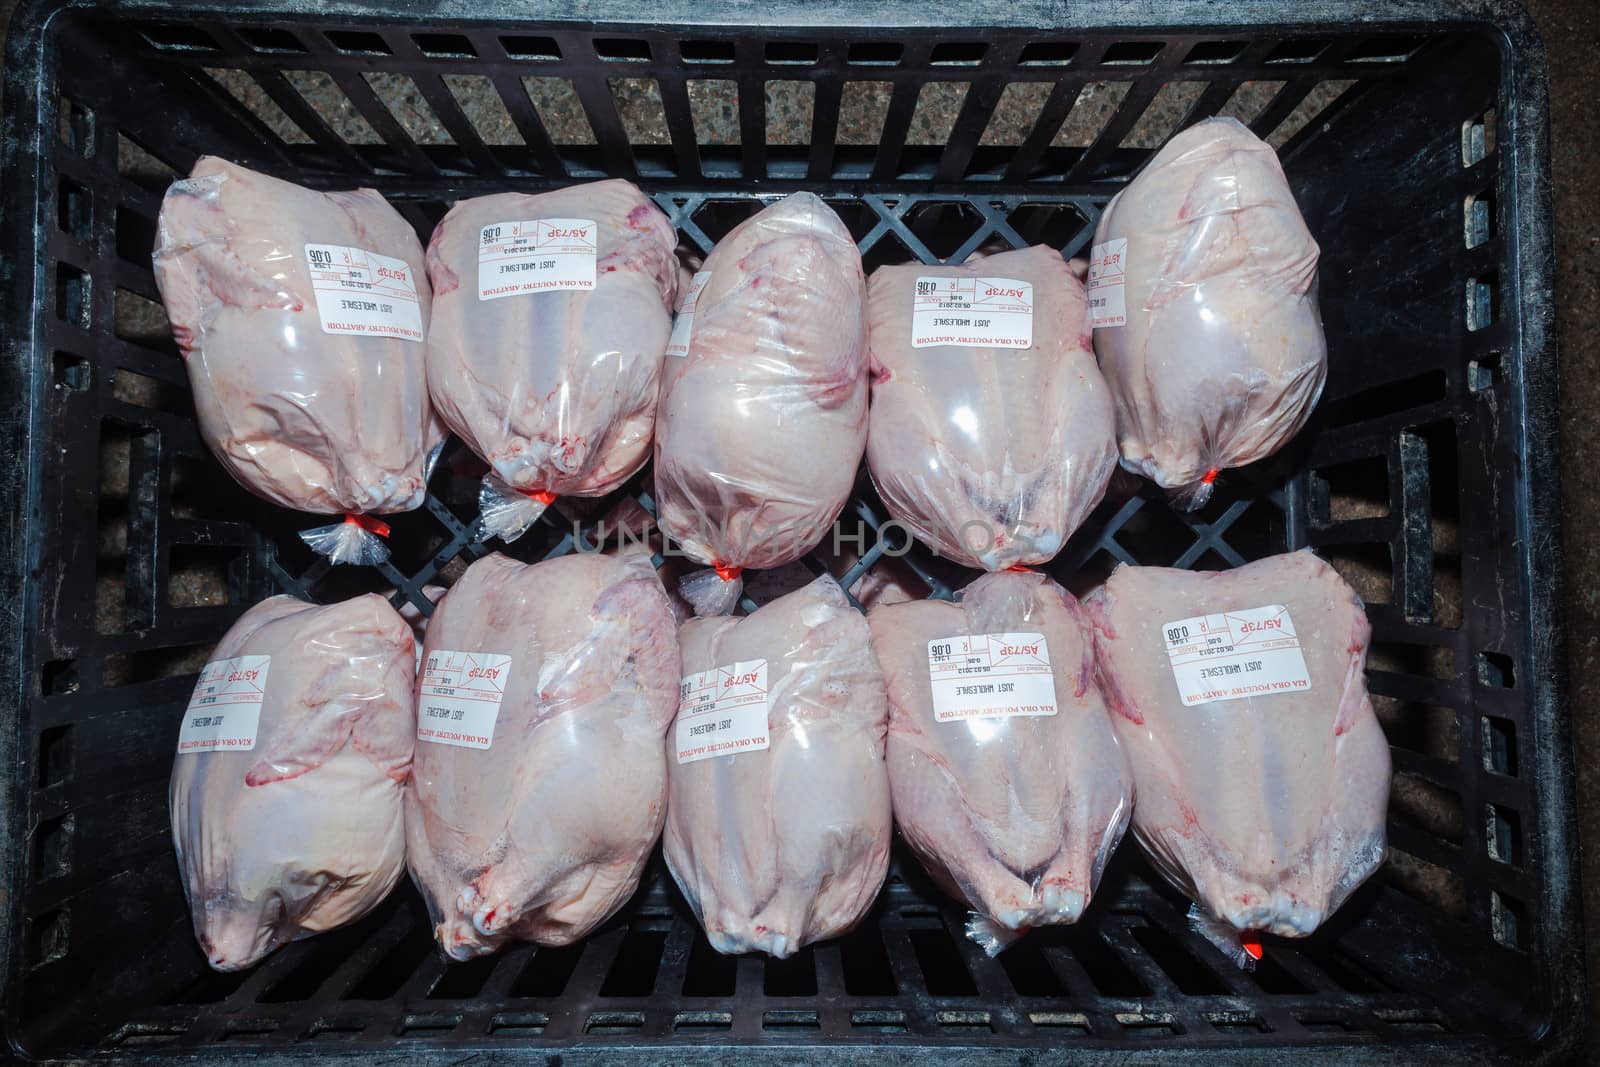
[[543, 496], [1253, 948], [1020, 568], [1211, 476], [369, 524], [727, 572]]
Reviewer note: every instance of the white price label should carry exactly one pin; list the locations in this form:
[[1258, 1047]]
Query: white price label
[[683, 325], [1233, 655], [458, 699], [972, 312], [1108, 304], [225, 709], [985, 676], [722, 711], [536, 255], [363, 293]]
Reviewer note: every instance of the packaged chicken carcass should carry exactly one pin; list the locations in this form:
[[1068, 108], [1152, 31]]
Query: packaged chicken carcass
[[540, 780], [763, 414], [778, 823], [286, 794], [550, 318], [1203, 295], [415, 618], [301, 318], [1008, 780], [992, 434], [1262, 771]]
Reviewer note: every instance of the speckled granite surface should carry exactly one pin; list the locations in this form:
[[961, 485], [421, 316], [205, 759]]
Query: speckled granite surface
[[714, 107]]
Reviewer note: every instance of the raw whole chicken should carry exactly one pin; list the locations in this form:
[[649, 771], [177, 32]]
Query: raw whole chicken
[[550, 318], [412, 614], [1007, 777], [1203, 292], [764, 419], [1262, 772], [540, 781], [992, 444], [301, 317], [785, 841], [286, 794]]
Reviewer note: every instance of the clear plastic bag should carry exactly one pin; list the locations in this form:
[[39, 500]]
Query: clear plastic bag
[[993, 442], [358, 539], [1241, 948], [286, 794], [309, 405], [415, 618], [507, 513], [531, 814], [779, 846], [990, 936], [1268, 809], [713, 590], [1221, 357], [763, 420], [550, 318], [1013, 801]]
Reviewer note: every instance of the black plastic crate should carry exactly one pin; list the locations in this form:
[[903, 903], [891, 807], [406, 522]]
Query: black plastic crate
[[1416, 143]]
